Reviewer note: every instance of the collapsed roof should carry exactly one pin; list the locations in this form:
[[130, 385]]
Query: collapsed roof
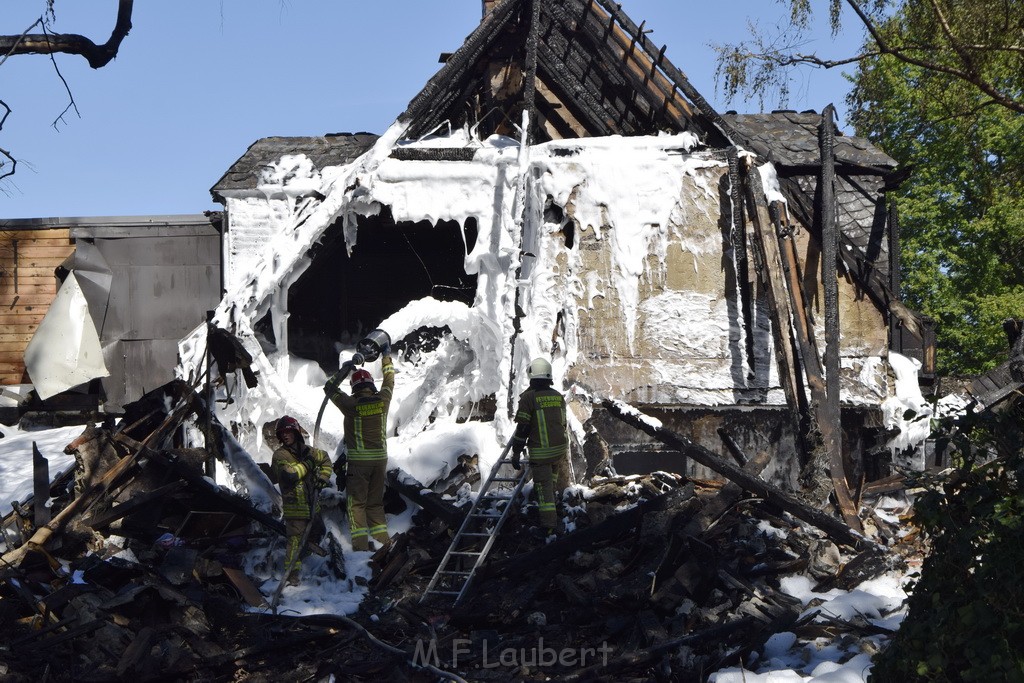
[[545, 73]]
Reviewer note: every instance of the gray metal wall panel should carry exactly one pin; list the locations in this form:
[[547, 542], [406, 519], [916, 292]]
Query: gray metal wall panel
[[137, 367], [167, 302], [161, 251], [114, 324], [162, 287]]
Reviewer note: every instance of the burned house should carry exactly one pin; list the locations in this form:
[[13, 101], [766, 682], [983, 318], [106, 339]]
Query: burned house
[[559, 188]]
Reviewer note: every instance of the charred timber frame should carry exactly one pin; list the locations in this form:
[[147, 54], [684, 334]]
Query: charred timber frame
[[829, 419], [875, 283], [564, 58], [672, 74], [770, 264], [740, 257], [530, 86], [620, 49], [834, 528], [431, 104]]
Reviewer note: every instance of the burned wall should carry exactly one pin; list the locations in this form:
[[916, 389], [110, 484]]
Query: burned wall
[[341, 295]]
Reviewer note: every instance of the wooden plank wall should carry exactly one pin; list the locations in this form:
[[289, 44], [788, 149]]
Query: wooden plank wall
[[28, 285]]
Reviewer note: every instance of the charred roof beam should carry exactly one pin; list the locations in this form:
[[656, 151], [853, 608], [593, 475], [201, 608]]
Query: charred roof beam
[[588, 109], [672, 73], [463, 62], [632, 84]]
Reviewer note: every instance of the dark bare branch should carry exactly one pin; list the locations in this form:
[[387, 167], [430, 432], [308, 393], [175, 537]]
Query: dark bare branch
[[761, 64], [71, 98], [72, 43], [14, 162], [16, 40]]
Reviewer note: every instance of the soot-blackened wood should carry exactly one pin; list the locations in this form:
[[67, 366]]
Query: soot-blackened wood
[[829, 264], [40, 488], [231, 502], [530, 89], [427, 499], [770, 261], [726, 496], [734, 450], [722, 137], [821, 427], [741, 258], [613, 47], [111, 515], [423, 112], [834, 528], [609, 529]]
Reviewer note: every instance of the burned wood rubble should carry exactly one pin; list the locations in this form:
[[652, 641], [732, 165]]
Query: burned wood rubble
[[141, 572]]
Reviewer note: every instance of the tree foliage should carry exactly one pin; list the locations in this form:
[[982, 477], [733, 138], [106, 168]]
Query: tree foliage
[[966, 611], [962, 209], [940, 87], [974, 42]]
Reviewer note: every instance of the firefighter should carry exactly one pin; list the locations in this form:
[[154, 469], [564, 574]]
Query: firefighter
[[302, 472], [366, 421], [540, 429]]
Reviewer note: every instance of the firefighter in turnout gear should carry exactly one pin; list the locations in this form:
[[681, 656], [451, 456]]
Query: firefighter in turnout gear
[[541, 430], [301, 472], [366, 421]]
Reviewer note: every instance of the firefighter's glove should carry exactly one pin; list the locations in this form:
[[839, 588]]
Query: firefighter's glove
[[385, 350], [518, 445], [335, 381]]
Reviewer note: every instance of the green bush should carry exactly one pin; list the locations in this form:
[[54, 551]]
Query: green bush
[[966, 612]]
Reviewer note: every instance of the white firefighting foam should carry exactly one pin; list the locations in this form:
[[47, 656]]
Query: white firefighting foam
[[630, 193]]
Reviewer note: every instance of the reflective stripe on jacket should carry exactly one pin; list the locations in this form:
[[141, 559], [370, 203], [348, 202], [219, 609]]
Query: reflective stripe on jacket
[[296, 472], [542, 411], [366, 417]]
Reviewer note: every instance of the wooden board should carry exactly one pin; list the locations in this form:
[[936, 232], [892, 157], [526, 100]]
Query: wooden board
[[9, 288], [28, 286]]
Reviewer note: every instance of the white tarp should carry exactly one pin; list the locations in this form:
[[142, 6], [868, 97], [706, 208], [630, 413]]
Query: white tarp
[[65, 350]]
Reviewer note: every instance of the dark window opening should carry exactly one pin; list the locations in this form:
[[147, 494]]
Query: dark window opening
[[340, 298]]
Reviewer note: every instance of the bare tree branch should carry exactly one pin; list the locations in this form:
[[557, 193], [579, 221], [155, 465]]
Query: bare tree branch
[[969, 75], [72, 43], [16, 40], [764, 67], [71, 98], [14, 162]]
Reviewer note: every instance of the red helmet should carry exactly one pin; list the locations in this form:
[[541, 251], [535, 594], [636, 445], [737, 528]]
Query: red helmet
[[361, 376], [286, 423]]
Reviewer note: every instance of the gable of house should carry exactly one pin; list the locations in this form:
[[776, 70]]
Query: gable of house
[[631, 289]]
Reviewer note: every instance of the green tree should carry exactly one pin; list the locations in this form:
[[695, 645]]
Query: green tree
[[940, 87], [962, 208], [966, 612]]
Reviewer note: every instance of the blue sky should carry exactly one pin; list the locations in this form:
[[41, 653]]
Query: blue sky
[[197, 81]]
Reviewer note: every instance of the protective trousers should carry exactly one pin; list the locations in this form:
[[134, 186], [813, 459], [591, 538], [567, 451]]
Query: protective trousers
[[295, 528], [544, 474], [365, 484]]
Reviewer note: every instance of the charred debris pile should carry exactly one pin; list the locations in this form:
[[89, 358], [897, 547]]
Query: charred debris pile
[[135, 570]]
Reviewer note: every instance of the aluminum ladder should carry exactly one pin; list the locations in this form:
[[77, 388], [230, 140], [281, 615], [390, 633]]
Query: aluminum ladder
[[482, 524]]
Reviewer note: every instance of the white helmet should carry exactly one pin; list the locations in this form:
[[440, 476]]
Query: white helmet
[[540, 369]]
